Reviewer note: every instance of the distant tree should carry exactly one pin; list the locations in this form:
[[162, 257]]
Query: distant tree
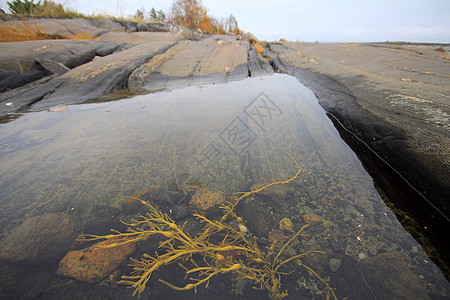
[[158, 16], [217, 24], [161, 16], [139, 14], [232, 25], [192, 14], [153, 14], [189, 13]]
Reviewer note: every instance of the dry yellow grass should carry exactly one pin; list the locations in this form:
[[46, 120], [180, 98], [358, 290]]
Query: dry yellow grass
[[258, 48], [29, 32], [25, 32], [83, 36]]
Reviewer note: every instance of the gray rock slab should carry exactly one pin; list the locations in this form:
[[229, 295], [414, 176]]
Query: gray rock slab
[[12, 80], [87, 82], [52, 66], [108, 49], [40, 240], [395, 97], [258, 65], [21, 56], [211, 60], [153, 27], [138, 37]]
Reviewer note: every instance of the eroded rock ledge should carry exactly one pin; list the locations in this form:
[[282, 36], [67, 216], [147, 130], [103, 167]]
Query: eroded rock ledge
[[40, 74]]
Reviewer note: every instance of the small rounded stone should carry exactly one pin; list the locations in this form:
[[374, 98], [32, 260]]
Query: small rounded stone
[[286, 224], [334, 264], [327, 224], [243, 228]]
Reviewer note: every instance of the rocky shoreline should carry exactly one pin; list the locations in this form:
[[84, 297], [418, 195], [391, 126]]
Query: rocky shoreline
[[392, 98], [36, 74], [376, 90]]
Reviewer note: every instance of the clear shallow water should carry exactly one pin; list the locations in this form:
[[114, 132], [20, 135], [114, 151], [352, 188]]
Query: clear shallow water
[[231, 136]]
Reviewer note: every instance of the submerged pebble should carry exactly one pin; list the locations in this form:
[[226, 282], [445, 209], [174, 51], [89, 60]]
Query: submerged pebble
[[243, 228], [240, 286], [286, 224], [327, 224], [334, 264], [311, 219]]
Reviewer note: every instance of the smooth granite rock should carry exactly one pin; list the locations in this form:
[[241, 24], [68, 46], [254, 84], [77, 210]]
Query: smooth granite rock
[[40, 240]]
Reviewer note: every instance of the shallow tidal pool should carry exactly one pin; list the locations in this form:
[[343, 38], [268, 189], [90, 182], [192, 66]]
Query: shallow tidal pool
[[86, 161]]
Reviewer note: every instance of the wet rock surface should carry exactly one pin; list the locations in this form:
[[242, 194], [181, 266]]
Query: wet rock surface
[[73, 290], [23, 282], [384, 276], [40, 240], [133, 204], [395, 101], [393, 98]]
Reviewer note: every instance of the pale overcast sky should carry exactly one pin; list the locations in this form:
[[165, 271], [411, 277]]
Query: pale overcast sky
[[313, 20]]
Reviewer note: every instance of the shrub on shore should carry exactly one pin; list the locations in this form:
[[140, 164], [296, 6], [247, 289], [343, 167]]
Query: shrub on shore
[[48, 8], [193, 15]]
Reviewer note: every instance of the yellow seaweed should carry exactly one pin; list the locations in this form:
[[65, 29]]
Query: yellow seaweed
[[263, 268]]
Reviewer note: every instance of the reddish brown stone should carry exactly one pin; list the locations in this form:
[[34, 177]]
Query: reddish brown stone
[[139, 195], [311, 219], [286, 224], [95, 263], [133, 205]]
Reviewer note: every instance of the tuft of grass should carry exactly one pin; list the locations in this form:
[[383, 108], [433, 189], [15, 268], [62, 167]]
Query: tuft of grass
[[52, 9], [258, 48], [83, 36]]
